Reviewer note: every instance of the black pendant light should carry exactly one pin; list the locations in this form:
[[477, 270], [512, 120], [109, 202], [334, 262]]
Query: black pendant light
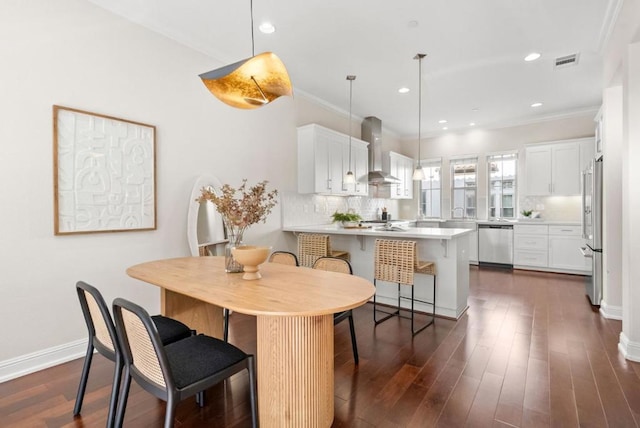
[[418, 173], [349, 178]]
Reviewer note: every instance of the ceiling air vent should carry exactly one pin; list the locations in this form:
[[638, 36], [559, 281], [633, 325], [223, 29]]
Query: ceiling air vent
[[567, 61]]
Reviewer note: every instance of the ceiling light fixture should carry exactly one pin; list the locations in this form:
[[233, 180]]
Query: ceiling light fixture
[[445, 128], [418, 173], [349, 178], [267, 28], [403, 90], [472, 124], [252, 82], [442, 121], [532, 56], [534, 105]]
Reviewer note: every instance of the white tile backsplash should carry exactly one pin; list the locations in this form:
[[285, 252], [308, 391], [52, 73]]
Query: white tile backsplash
[[553, 208], [308, 209]]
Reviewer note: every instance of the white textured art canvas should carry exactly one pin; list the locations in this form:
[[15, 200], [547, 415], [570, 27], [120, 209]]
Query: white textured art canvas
[[104, 173]]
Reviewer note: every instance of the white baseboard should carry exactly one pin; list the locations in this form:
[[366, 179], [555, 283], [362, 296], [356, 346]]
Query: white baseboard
[[36, 361], [630, 350], [610, 312]]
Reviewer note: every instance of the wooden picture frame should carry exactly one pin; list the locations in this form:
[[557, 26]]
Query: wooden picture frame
[[104, 173]]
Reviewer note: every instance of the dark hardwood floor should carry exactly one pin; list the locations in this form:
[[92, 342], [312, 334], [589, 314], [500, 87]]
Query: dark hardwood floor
[[530, 352]]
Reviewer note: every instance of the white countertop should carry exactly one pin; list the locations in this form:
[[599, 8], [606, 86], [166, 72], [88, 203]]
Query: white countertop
[[410, 232]]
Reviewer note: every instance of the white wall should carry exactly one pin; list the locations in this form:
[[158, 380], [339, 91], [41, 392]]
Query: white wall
[[75, 54], [480, 142]]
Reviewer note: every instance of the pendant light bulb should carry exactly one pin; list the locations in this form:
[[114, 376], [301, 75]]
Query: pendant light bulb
[[418, 173], [349, 177]]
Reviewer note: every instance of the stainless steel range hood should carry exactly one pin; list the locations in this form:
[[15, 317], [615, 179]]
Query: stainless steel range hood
[[371, 132]]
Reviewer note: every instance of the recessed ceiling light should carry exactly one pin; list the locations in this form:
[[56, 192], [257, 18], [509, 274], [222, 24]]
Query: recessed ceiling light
[[403, 90], [475, 109], [442, 121], [472, 124], [536, 105], [444, 128], [532, 56], [413, 24], [267, 28]]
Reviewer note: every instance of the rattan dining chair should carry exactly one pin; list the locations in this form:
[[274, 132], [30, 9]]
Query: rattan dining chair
[[397, 261], [283, 257], [335, 264], [176, 371], [312, 246], [103, 338]]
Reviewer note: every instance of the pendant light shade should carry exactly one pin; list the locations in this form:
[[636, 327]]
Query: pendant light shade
[[349, 177], [418, 173], [252, 82]]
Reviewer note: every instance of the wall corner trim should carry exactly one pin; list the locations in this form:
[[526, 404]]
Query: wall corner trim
[[40, 360], [630, 350], [610, 312]]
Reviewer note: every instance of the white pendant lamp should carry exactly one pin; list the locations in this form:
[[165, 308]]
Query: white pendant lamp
[[418, 173], [252, 82], [349, 177]]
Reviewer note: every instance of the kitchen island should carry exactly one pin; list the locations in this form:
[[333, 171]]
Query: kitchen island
[[448, 248]]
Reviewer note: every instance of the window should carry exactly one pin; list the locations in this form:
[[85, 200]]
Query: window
[[431, 189], [502, 185], [464, 187]]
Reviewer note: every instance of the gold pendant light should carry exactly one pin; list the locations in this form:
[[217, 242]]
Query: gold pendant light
[[252, 82], [349, 178], [418, 173]]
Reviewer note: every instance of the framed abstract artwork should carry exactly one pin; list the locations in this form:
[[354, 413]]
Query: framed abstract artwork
[[104, 173]]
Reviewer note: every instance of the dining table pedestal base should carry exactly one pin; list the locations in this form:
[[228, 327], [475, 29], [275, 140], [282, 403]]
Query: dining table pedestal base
[[203, 317], [295, 371]]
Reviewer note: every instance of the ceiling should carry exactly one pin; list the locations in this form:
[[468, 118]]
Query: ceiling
[[474, 70]]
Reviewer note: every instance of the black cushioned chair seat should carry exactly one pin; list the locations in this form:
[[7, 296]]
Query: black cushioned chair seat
[[170, 330], [212, 355]]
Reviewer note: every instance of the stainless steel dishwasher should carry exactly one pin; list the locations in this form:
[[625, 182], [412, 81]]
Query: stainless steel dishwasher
[[495, 245]]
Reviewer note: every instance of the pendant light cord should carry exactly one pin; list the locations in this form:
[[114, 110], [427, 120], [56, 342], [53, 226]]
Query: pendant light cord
[[253, 43], [350, 78], [419, 107]]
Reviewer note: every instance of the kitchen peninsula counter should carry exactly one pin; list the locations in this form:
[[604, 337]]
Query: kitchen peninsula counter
[[448, 248]]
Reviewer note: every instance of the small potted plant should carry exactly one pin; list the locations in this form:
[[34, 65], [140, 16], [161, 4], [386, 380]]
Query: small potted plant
[[347, 219], [527, 213]]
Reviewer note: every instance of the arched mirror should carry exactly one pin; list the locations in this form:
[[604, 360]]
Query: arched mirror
[[205, 230]]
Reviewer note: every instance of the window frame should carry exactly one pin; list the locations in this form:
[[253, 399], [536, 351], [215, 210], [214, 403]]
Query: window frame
[[430, 163], [491, 157], [462, 160]]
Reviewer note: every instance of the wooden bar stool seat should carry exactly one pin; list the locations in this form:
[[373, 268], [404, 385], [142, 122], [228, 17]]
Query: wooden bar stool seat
[[397, 261], [312, 246]]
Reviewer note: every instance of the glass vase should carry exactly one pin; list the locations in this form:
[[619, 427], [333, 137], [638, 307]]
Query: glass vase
[[231, 265]]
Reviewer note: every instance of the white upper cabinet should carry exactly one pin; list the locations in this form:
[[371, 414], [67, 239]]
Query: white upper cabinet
[[360, 165], [553, 169], [323, 159], [401, 167]]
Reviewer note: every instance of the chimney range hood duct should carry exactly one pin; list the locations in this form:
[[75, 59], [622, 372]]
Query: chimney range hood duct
[[371, 132]]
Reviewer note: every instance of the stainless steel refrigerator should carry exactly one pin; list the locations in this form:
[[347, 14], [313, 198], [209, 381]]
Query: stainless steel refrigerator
[[592, 226]]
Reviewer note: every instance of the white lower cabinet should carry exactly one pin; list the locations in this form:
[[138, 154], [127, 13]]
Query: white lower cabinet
[[530, 245], [549, 247], [564, 249]]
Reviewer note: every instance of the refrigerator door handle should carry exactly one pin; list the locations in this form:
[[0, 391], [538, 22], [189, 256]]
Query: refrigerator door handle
[[584, 205]]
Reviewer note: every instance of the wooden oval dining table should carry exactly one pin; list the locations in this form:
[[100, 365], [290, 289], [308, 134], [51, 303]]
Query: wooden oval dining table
[[294, 309]]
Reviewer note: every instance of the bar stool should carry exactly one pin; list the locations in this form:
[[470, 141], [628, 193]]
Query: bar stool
[[312, 246], [397, 261]]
